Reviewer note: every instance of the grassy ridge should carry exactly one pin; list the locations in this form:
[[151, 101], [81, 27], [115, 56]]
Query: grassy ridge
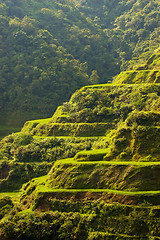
[[9, 194], [73, 162], [42, 189]]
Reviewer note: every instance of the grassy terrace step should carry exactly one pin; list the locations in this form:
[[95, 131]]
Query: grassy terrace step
[[29, 125], [115, 236], [61, 122], [67, 129], [9, 194], [73, 162], [139, 76], [69, 137], [43, 189], [91, 155], [116, 84], [109, 236], [41, 181], [128, 176]]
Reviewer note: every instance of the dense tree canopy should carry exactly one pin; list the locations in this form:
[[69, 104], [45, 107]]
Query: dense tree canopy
[[50, 48]]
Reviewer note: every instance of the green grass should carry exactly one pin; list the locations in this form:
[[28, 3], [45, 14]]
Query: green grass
[[69, 137], [148, 70], [67, 129], [95, 151], [73, 162], [25, 211], [45, 120], [111, 236], [43, 189], [41, 179], [9, 194], [115, 85], [137, 76], [91, 155]]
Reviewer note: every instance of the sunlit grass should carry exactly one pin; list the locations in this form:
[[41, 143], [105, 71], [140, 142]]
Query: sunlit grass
[[69, 137], [74, 162], [45, 120], [42, 189], [9, 194], [41, 179], [117, 84]]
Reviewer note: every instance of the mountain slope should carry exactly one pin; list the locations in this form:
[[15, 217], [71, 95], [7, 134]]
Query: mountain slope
[[122, 119], [91, 171], [109, 191], [51, 48], [147, 73]]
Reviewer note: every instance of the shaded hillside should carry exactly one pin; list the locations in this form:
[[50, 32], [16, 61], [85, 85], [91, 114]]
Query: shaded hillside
[[39, 71], [51, 48], [132, 26]]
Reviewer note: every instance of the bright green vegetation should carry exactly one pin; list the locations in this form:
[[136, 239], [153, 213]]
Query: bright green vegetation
[[148, 73], [48, 49], [9, 194], [100, 123], [91, 171], [24, 157], [45, 128], [73, 162], [99, 175], [42, 189], [140, 76], [106, 103]]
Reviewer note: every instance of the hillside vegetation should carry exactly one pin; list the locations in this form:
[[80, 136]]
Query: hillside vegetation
[[48, 49], [91, 171]]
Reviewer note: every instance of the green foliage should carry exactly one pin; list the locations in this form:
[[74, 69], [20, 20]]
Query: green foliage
[[18, 173], [91, 174], [123, 165], [92, 111], [51, 48], [140, 76], [143, 118], [97, 104], [69, 129], [95, 220], [110, 103], [6, 205], [24, 157], [92, 155], [46, 149]]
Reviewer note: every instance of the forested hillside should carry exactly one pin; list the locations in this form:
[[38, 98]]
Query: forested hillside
[[91, 171], [48, 49]]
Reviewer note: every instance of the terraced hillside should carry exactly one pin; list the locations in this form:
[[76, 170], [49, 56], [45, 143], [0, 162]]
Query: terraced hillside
[[148, 73], [126, 124], [96, 163]]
